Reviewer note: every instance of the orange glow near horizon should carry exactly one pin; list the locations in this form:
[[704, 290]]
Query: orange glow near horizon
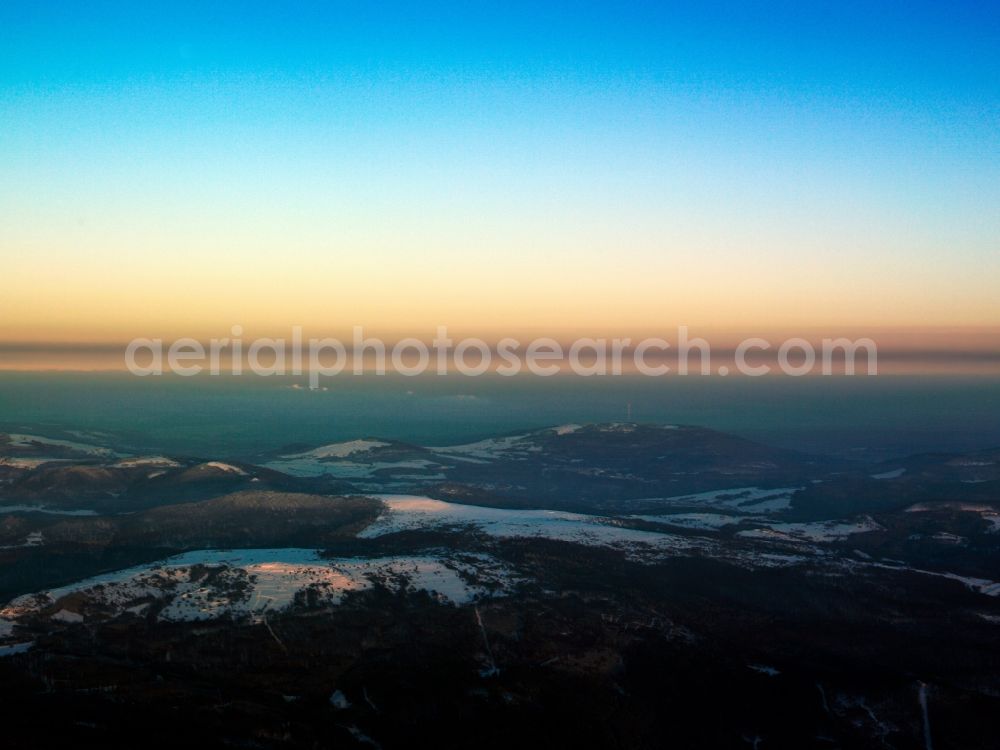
[[900, 350], [88, 287]]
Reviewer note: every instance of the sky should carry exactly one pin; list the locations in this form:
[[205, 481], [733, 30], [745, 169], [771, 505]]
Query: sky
[[175, 169]]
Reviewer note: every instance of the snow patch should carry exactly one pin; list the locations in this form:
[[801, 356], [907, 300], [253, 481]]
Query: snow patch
[[350, 469], [980, 585], [152, 461], [820, 531], [34, 539], [340, 450], [566, 429], [703, 521], [988, 513], [753, 500], [894, 474], [33, 441], [225, 468], [16, 648], [43, 509], [65, 615], [489, 449], [339, 701], [28, 463]]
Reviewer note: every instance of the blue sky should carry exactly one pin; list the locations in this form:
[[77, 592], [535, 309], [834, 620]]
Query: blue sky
[[835, 140]]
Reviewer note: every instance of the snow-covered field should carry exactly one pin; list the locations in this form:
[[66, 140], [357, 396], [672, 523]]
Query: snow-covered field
[[28, 463], [33, 539], [311, 467], [751, 500], [43, 509], [350, 460], [702, 521], [16, 648], [980, 585], [339, 450], [988, 513], [159, 462], [18, 440], [521, 446], [820, 531], [209, 584], [413, 512], [490, 449]]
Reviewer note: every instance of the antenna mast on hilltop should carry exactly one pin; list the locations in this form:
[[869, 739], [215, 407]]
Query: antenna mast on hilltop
[[628, 411]]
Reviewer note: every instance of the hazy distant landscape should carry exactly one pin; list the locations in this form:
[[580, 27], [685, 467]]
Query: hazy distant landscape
[[869, 418]]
